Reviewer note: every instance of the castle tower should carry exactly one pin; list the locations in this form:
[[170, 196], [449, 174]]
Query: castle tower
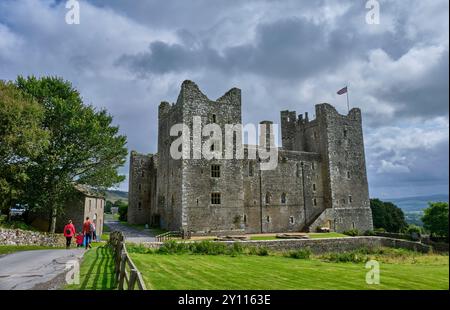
[[139, 188]]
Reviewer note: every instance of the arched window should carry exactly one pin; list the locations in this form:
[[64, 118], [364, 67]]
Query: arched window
[[283, 198], [268, 197]]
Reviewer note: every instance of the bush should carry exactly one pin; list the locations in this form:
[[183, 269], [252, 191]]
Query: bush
[[262, 251], [173, 247], [369, 233], [300, 254], [208, 247], [123, 211], [346, 257], [139, 249], [351, 232], [380, 230], [414, 229]]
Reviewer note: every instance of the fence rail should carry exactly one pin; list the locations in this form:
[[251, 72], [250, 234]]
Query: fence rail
[[125, 270], [169, 235]]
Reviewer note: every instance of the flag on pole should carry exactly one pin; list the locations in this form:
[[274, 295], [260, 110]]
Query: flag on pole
[[342, 91]]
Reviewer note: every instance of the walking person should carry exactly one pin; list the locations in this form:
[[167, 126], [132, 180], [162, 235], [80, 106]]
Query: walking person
[[88, 230], [69, 232], [94, 232]]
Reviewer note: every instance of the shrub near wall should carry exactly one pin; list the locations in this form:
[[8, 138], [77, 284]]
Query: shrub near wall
[[24, 237]]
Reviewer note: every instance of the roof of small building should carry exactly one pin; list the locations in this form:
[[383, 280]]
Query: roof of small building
[[89, 191]]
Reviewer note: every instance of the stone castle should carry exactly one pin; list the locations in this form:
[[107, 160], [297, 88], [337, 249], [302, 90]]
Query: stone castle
[[320, 179]]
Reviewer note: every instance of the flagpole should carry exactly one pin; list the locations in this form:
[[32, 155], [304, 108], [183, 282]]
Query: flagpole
[[348, 104]]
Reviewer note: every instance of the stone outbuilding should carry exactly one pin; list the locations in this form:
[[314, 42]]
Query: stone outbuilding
[[85, 202]]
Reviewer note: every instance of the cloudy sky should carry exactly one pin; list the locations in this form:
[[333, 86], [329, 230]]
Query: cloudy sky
[[127, 56]]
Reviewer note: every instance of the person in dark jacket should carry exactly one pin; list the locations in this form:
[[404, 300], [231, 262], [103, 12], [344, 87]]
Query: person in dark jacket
[[69, 232]]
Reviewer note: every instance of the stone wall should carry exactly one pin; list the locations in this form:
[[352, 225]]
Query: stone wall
[[319, 246], [23, 237]]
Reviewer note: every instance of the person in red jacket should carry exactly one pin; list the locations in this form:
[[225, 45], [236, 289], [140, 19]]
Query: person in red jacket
[[88, 229], [69, 232]]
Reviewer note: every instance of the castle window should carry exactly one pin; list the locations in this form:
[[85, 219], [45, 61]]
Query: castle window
[[245, 219], [139, 187], [314, 187], [197, 202], [315, 135], [350, 199], [214, 118], [348, 174], [139, 206], [173, 200], [215, 171], [313, 166], [297, 172], [315, 202], [345, 133], [250, 169], [215, 199], [267, 197], [268, 219], [353, 225], [143, 174], [283, 198], [291, 220]]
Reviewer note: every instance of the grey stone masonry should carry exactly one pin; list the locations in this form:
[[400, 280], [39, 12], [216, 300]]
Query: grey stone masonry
[[320, 179]]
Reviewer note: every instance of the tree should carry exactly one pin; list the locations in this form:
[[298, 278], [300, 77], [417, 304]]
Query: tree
[[108, 206], [123, 210], [21, 140], [435, 219], [84, 146], [388, 216]]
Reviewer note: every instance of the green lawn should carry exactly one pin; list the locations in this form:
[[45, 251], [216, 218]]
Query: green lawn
[[251, 272], [8, 249], [97, 270]]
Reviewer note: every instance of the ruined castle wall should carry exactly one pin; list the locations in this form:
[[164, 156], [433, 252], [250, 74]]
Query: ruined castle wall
[[300, 184], [201, 215], [346, 178], [139, 189], [169, 171]]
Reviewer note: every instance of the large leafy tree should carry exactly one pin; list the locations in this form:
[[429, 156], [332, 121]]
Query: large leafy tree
[[21, 140], [84, 146], [435, 219], [388, 216]]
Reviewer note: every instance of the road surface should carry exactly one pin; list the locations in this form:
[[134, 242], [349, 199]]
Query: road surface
[[38, 269], [131, 234]]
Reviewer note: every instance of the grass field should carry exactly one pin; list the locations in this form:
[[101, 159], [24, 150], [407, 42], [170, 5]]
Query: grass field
[[8, 249], [97, 270], [251, 272]]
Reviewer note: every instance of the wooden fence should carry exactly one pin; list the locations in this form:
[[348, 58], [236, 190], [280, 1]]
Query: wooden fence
[[173, 234], [126, 274]]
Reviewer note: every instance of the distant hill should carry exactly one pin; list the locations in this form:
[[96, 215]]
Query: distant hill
[[409, 204], [413, 206], [114, 195]]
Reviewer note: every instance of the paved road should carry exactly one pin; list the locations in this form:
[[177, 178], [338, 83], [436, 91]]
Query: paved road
[[131, 234], [35, 269]]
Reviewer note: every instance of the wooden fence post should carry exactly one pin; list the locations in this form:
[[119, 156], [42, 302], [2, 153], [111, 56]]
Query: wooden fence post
[[123, 263], [133, 278]]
